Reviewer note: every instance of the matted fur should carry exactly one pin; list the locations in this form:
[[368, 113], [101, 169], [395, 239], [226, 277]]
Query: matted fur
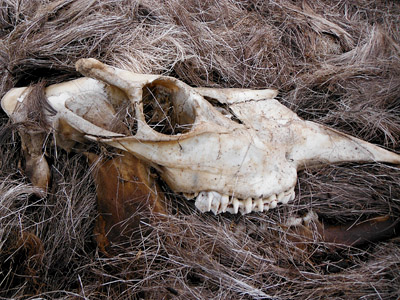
[[334, 62]]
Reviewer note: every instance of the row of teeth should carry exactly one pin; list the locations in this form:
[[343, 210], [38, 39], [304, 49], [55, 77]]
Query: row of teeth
[[217, 203]]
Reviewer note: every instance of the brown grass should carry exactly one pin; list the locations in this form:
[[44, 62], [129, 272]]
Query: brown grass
[[334, 62]]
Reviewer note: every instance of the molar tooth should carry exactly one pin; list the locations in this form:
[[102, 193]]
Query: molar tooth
[[203, 202], [280, 197], [254, 204], [224, 203], [286, 199], [210, 198], [289, 196], [259, 205], [269, 199], [273, 204], [248, 204], [215, 201], [235, 203], [292, 196], [229, 210], [272, 198]]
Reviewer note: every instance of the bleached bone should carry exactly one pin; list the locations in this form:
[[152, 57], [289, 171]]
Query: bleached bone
[[239, 156]]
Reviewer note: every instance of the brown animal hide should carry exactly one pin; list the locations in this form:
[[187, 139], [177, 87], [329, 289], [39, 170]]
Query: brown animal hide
[[127, 198], [345, 235], [22, 257], [368, 231]]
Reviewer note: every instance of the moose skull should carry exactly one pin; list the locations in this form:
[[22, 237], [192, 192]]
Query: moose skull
[[241, 154]]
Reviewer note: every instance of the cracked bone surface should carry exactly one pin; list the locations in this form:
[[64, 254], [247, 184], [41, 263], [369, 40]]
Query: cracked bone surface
[[239, 155]]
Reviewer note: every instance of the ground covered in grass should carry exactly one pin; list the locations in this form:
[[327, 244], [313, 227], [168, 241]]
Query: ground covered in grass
[[334, 62]]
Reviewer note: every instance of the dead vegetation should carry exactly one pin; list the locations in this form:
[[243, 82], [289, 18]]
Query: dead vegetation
[[334, 62]]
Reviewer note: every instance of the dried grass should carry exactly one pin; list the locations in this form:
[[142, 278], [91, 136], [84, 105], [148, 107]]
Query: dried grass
[[335, 62]]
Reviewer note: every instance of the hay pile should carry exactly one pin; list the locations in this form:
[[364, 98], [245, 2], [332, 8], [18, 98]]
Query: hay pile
[[334, 62]]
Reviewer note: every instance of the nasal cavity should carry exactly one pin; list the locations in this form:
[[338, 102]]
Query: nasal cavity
[[167, 108]]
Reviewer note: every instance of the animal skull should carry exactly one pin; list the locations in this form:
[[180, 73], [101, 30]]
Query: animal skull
[[241, 155]]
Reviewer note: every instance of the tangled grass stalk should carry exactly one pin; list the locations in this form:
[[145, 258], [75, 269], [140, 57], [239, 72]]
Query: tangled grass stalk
[[334, 62]]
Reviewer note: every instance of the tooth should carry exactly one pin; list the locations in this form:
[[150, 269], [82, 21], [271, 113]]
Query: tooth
[[280, 197], [210, 198], [254, 205], [235, 203], [259, 205], [273, 204], [286, 199], [230, 210], [202, 202], [292, 196], [224, 203], [287, 195], [215, 201], [266, 206], [248, 203], [272, 198]]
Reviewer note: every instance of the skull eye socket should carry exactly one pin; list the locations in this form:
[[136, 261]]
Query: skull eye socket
[[166, 109]]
